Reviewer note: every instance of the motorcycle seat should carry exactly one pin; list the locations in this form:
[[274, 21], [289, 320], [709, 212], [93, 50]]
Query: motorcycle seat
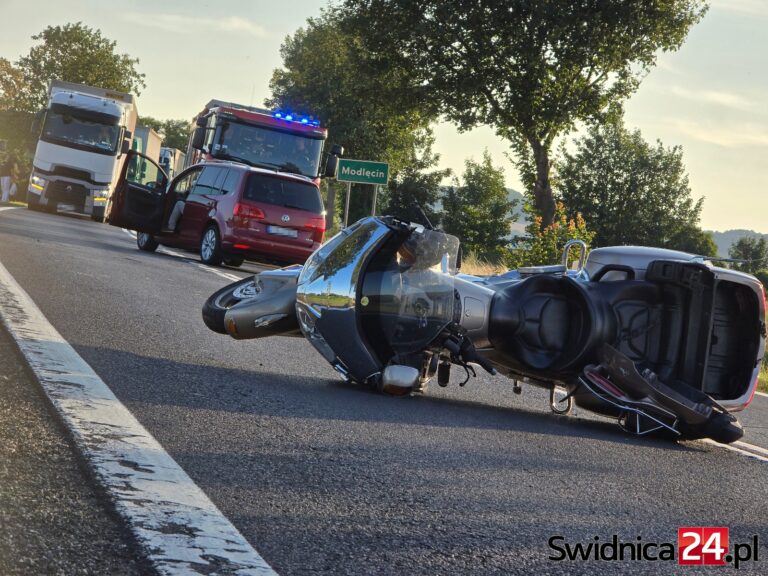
[[556, 324], [545, 322]]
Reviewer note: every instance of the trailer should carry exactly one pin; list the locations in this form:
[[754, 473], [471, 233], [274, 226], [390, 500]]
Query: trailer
[[171, 160]]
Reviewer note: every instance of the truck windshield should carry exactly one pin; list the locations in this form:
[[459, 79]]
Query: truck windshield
[[81, 129], [261, 146]]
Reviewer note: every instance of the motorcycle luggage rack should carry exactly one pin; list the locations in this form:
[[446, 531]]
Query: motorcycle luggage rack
[[664, 420], [561, 268]]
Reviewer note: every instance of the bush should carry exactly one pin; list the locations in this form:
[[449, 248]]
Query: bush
[[762, 275], [541, 247]]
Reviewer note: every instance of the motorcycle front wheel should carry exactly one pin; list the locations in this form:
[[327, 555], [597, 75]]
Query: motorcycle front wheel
[[219, 302]]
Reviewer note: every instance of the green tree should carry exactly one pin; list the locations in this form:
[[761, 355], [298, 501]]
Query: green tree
[[478, 211], [327, 73], [530, 69], [753, 251], [175, 132], [629, 191], [11, 83], [416, 186], [694, 240], [74, 53]]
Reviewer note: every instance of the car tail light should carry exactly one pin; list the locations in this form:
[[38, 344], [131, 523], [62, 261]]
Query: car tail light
[[243, 214], [316, 224]]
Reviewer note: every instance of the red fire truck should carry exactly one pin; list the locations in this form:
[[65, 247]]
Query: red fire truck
[[276, 140]]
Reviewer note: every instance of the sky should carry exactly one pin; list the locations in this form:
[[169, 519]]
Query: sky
[[710, 97]]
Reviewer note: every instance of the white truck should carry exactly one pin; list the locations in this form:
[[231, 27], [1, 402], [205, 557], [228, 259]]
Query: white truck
[[148, 142], [86, 133], [172, 160]]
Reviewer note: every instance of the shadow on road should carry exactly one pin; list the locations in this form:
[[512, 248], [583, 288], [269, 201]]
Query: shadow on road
[[262, 392]]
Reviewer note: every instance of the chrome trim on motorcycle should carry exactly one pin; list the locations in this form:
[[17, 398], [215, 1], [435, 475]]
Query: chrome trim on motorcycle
[[582, 253], [327, 294]]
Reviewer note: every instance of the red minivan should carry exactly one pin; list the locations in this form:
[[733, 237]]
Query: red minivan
[[231, 211]]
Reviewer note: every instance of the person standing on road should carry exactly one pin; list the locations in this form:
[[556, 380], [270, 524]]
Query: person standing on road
[[9, 171]]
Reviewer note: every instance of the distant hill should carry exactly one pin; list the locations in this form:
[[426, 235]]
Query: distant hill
[[518, 228], [725, 240]]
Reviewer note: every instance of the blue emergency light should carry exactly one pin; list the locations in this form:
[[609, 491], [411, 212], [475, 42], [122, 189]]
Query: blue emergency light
[[288, 116]]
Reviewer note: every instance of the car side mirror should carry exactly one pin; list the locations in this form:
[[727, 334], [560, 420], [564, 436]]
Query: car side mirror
[[126, 147], [337, 150]]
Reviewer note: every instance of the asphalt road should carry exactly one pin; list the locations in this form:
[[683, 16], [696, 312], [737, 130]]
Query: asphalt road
[[327, 478], [53, 515]]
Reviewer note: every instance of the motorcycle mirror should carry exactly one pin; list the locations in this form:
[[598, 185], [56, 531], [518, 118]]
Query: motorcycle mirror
[[399, 380]]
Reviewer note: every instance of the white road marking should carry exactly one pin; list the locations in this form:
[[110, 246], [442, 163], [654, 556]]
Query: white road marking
[[753, 447], [200, 265], [735, 448], [180, 528], [762, 394]]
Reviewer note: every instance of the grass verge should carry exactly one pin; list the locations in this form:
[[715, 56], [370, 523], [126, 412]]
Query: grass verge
[[472, 264]]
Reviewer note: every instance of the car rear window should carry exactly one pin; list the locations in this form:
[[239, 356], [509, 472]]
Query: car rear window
[[282, 192]]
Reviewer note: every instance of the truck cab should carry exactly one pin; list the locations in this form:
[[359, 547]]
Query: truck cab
[[85, 134], [273, 140]]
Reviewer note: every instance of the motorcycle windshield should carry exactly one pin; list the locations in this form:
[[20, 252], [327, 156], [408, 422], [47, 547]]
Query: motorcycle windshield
[[407, 296]]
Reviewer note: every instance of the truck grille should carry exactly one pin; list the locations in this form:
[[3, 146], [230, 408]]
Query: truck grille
[[73, 173], [66, 192]]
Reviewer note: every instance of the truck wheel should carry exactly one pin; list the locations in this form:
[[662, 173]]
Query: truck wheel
[[234, 261], [98, 214], [33, 202], [146, 242], [210, 247]]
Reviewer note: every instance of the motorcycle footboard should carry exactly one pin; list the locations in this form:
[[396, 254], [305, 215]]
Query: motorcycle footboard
[[692, 406], [636, 415]]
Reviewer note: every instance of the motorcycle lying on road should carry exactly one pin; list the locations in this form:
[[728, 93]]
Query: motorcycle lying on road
[[661, 340]]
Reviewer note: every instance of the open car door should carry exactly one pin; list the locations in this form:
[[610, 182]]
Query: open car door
[[138, 202]]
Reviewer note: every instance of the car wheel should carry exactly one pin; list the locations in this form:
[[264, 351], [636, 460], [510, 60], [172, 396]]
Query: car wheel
[[217, 305], [234, 261], [146, 242], [210, 247]]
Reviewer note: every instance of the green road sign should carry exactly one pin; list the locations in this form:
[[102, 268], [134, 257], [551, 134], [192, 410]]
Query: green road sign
[[362, 171]]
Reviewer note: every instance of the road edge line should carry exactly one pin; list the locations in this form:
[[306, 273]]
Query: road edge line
[[178, 526]]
